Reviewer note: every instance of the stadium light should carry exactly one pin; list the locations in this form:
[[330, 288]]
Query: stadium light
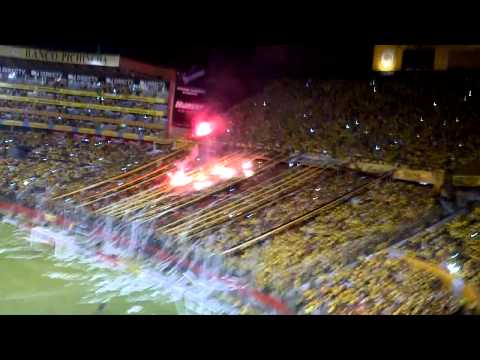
[[387, 61]]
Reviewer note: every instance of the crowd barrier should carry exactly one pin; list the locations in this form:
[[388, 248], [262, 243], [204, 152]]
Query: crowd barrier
[[87, 131], [96, 119], [43, 101]]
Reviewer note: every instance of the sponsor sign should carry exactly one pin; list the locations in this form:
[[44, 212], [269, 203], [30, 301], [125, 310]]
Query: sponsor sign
[[63, 57]]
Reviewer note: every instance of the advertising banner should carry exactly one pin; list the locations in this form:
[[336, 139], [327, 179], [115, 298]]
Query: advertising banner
[[189, 97], [64, 57]]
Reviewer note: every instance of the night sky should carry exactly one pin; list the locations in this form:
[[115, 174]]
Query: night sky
[[240, 67], [311, 46]]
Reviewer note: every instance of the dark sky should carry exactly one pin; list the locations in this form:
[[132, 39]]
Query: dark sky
[[241, 64], [327, 44], [182, 57], [237, 71]]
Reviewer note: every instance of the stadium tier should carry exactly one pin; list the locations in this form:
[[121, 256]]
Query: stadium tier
[[93, 94]]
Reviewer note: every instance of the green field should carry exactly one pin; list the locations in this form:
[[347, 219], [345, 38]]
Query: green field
[[33, 281]]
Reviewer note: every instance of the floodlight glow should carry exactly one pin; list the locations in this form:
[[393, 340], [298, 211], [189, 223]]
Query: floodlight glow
[[387, 61]]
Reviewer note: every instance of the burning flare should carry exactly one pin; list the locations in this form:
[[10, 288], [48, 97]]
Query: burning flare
[[179, 178], [223, 172], [199, 178], [203, 129]]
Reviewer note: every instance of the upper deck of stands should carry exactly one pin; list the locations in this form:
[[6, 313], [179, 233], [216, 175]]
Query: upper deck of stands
[[93, 94]]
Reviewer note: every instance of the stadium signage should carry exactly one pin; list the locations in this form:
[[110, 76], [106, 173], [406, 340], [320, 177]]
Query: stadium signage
[[63, 57], [196, 75], [188, 106], [191, 91], [189, 97], [8, 70], [46, 74]]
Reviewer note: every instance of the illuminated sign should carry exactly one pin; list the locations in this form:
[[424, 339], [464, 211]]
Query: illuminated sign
[[63, 57]]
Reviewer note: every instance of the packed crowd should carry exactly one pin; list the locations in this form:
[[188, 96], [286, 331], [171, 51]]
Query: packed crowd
[[315, 267], [425, 120], [42, 162], [406, 290], [85, 82], [284, 206]]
